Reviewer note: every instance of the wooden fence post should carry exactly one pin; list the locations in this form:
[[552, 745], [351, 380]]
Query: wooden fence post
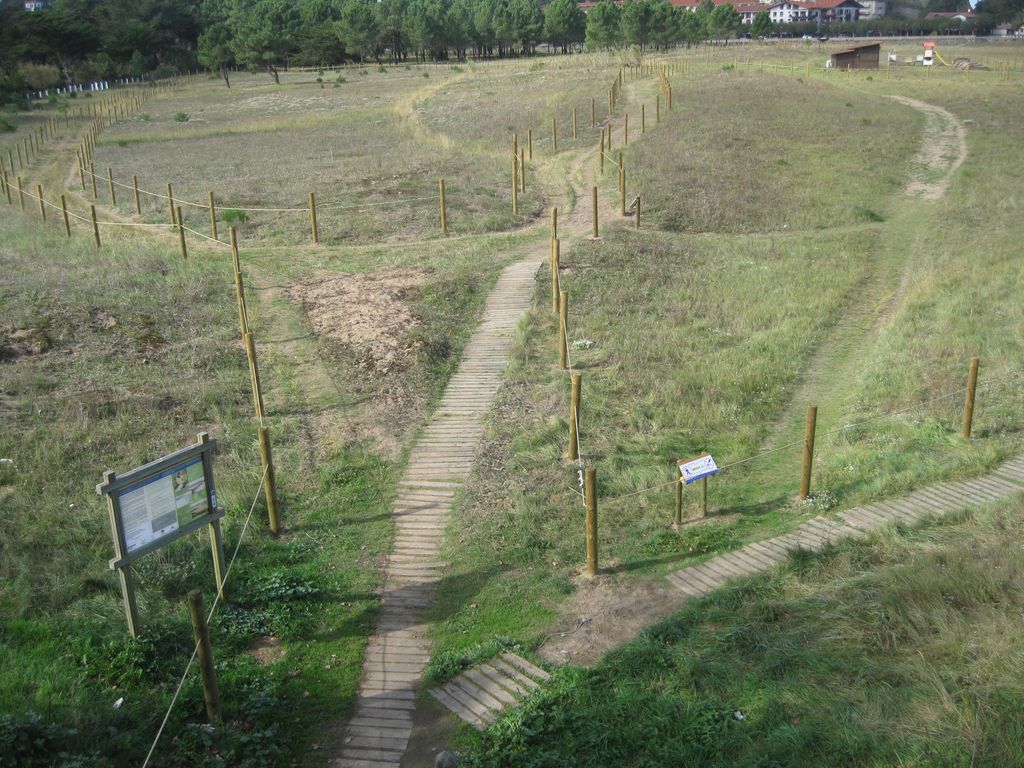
[[314, 230], [181, 234], [95, 225], [600, 152], [515, 186], [522, 171], [92, 175], [677, 521], [590, 494], [269, 481], [204, 655], [529, 138], [972, 383], [135, 192], [563, 320], [593, 113], [622, 188], [576, 385], [805, 474], [170, 203], [243, 318], [554, 136], [643, 119], [555, 256], [254, 373], [110, 183], [444, 210], [554, 223], [213, 214], [64, 212], [42, 203], [595, 212], [703, 497]]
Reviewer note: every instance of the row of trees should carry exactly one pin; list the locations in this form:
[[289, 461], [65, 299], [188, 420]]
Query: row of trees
[[81, 40]]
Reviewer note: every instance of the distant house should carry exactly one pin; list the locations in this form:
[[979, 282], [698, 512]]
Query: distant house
[[782, 12], [873, 9], [858, 57], [952, 15], [1003, 30]]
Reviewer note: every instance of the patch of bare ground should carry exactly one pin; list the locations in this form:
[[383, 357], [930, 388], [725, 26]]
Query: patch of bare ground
[[368, 320], [368, 314], [603, 613], [21, 342], [943, 150], [266, 650]]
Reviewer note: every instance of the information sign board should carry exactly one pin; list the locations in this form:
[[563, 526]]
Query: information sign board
[[696, 469], [159, 503]]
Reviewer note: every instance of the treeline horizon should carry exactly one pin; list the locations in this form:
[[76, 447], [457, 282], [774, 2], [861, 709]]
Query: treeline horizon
[[79, 41]]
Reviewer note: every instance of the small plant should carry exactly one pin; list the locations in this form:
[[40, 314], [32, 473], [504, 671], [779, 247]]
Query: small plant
[[364, 71], [822, 501], [144, 117], [181, 117], [727, 67], [849, 104], [122, 142], [6, 127], [426, 74], [867, 214], [865, 121], [234, 216], [340, 79], [456, 68], [381, 68], [408, 67]]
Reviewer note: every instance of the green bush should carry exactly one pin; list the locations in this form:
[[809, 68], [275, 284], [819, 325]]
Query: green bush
[[234, 216], [6, 127], [181, 117]]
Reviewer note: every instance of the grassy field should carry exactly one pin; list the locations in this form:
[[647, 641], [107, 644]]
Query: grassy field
[[900, 650], [781, 263], [358, 144], [718, 342]]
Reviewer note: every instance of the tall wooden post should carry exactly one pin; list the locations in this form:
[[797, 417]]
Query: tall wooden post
[[254, 373], [64, 213], [593, 113], [643, 119], [181, 234], [213, 214], [972, 383], [92, 175], [590, 494], [314, 230], [204, 655], [554, 136], [555, 256], [529, 140], [444, 209], [110, 182], [563, 320], [600, 152], [243, 319], [554, 223], [573, 451], [135, 192], [95, 225], [42, 203], [170, 203], [703, 497], [805, 474], [677, 521], [522, 171], [595, 212], [515, 186], [269, 481]]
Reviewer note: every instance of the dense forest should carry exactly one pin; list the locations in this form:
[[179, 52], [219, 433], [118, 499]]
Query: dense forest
[[74, 41]]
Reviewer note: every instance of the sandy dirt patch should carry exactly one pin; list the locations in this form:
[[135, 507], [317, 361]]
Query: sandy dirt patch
[[368, 314]]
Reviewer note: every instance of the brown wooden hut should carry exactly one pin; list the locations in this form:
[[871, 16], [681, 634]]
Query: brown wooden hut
[[858, 57]]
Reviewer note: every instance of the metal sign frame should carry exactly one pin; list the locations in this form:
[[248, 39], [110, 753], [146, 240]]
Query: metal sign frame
[[114, 485]]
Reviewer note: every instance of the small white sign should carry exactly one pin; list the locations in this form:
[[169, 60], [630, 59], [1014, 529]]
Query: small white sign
[[702, 466]]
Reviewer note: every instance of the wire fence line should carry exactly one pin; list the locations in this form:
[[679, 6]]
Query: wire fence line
[[837, 430]]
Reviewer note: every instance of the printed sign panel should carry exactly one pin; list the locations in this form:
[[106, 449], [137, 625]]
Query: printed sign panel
[[701, 467], [158, 505]]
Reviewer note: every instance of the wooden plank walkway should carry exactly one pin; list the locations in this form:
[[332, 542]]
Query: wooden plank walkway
[[471, 696], [397, 651], [479, 694]]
